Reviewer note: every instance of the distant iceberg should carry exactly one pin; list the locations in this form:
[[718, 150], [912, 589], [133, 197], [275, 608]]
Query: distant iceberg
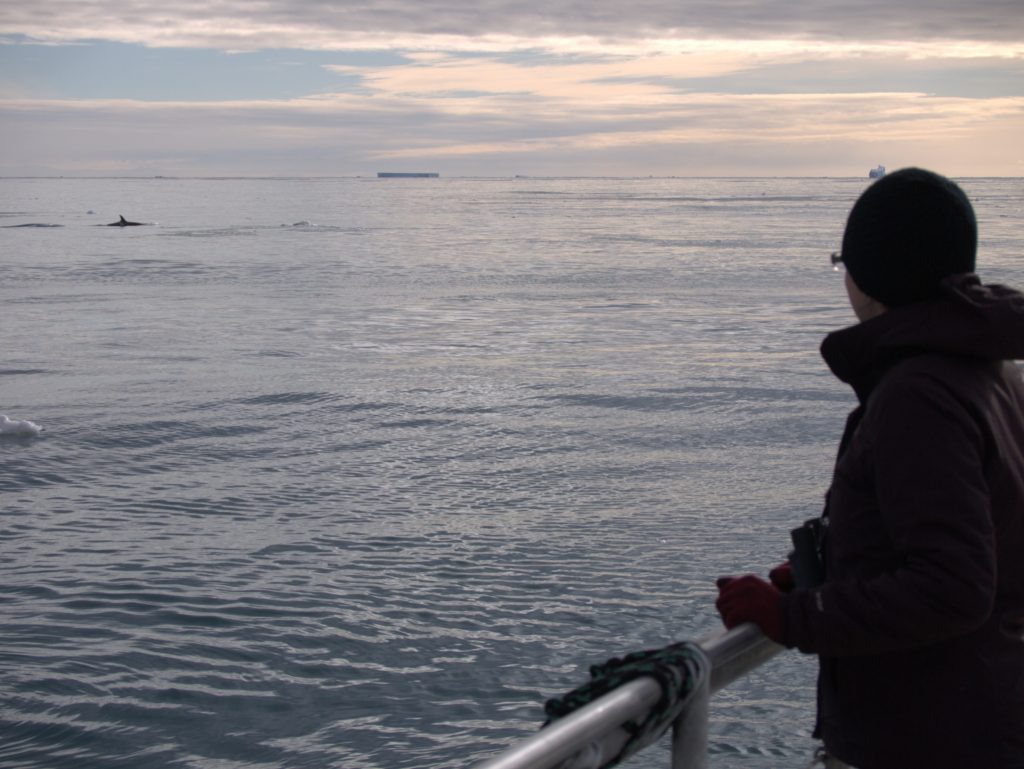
[[877, 172], [17, 427]]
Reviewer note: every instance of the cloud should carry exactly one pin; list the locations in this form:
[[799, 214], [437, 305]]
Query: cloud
[[505, 24], [496, 87], [626, 132]]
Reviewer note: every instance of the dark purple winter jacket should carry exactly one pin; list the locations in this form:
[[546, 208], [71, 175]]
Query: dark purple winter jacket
[[919, 626]]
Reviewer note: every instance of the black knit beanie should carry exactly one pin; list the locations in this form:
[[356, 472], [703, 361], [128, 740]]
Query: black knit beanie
[[907, 232]]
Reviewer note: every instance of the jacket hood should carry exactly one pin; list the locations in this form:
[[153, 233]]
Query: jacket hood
[[968, 318]]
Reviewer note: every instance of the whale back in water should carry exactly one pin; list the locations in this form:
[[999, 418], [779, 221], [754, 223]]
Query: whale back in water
[[124, 223]]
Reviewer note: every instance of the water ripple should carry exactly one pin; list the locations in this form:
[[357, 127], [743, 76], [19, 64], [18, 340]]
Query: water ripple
[[364, 492]]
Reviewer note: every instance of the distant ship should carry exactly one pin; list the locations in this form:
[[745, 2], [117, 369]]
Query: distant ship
[[877, 172], [407, 175]]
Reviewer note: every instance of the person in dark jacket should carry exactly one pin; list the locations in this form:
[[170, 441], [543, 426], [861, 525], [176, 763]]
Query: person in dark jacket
[[919, 622]]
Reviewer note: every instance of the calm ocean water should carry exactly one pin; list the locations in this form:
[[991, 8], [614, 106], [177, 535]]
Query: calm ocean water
[[355, 473]]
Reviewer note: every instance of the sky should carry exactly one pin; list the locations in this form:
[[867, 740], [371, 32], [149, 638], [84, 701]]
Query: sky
[[507, 87]]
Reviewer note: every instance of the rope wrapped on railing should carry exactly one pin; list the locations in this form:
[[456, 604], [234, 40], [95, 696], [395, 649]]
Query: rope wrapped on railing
[[680, 669], [596, 734]]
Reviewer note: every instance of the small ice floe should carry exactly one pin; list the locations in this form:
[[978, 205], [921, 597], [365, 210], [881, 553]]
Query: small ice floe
[[17, 427]]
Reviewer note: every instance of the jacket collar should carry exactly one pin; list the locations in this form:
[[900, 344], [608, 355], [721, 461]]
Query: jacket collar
[[965, 318]]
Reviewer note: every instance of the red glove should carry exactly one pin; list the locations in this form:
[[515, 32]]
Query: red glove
[[782, 577], [750, 599]]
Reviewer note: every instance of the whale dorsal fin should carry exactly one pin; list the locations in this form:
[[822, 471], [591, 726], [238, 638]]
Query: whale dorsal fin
[[122, 219]]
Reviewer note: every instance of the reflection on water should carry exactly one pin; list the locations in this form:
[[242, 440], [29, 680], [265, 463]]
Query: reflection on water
[[365, 491]]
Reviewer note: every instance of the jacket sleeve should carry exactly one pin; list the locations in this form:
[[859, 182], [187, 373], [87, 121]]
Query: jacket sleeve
[[924, 456]]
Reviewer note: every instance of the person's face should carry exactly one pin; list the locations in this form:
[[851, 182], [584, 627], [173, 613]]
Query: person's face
[[864, 307]]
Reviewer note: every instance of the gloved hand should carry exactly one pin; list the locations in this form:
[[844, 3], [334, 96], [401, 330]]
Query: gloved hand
[[782, 577], [750, 599]]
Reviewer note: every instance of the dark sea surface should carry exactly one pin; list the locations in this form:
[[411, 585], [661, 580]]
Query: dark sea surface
[[356, 473]]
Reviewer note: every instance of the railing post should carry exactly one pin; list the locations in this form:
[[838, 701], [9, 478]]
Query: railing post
[[690, 730]]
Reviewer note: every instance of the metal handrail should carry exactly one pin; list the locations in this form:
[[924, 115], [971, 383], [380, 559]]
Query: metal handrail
[[594, 734]]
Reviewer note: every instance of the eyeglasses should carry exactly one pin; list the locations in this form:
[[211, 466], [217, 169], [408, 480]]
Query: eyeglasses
[[836, 258]]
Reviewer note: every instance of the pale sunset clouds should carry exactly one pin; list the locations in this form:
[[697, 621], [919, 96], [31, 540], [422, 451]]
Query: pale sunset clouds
[[492, 88]]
